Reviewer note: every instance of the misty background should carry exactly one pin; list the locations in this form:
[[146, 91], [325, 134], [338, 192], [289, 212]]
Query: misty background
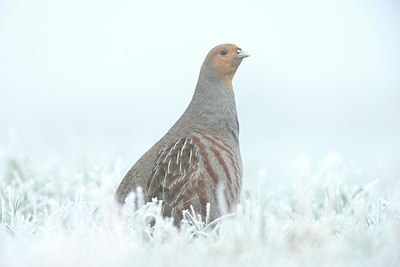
[[87, 82]]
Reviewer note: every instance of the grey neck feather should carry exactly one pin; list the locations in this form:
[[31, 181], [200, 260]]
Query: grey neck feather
[[213, 107]]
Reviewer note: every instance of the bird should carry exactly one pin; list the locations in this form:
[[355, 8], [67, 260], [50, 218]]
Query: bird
[[197, 163]]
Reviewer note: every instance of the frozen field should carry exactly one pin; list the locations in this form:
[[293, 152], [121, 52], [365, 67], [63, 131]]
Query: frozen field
[[61, 217]]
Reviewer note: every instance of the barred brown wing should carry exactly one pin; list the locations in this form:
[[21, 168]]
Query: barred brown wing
[[190, 171], [175, 174]]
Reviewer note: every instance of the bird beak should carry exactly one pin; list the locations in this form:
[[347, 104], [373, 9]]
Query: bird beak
[[243, 54]]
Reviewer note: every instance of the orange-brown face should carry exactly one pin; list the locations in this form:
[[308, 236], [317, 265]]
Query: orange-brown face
[[224, 60]]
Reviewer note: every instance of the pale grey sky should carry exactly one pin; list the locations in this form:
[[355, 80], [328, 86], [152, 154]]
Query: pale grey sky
[[98, 79]]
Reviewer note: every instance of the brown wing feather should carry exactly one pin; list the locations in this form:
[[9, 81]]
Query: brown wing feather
[[175, 174]]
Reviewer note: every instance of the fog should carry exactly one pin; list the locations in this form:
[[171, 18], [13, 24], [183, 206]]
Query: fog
[[96, 80]]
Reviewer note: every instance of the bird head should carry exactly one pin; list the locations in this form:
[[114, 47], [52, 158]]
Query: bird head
[[222, 62]]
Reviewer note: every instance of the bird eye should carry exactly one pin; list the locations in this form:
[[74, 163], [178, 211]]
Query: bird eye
[[223, 52], [239, 50]]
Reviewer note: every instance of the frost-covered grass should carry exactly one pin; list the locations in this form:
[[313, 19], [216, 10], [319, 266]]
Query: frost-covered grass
[[59, 217]]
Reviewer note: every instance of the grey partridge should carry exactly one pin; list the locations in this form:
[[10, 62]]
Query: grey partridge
[[198, 160]]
